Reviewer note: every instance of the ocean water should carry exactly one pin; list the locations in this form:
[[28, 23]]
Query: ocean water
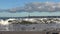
[[23, 14], [19, 27], [29, 27]]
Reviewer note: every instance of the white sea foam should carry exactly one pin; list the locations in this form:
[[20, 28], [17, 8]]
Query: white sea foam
[[40, 20], [5, 22]]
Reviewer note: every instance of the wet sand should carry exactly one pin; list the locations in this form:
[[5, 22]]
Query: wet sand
[[21, 32]]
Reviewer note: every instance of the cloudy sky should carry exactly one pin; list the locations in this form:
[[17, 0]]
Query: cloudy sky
[[6, 4], [15, 8]]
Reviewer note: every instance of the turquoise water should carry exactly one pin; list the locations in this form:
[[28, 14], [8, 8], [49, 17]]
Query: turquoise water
[[23, 14]]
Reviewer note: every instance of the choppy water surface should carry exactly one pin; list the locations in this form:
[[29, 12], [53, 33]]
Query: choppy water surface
[[29, 27]]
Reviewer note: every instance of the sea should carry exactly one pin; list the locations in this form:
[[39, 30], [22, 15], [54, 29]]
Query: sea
[[23, 14], [28, 27]]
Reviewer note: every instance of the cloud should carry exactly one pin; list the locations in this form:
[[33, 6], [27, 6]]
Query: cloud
[[37, 6]]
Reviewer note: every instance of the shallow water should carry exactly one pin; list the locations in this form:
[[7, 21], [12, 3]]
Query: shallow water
[[29, 27]]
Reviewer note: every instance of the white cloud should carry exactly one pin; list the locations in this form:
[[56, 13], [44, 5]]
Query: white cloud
[[47, 6]]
